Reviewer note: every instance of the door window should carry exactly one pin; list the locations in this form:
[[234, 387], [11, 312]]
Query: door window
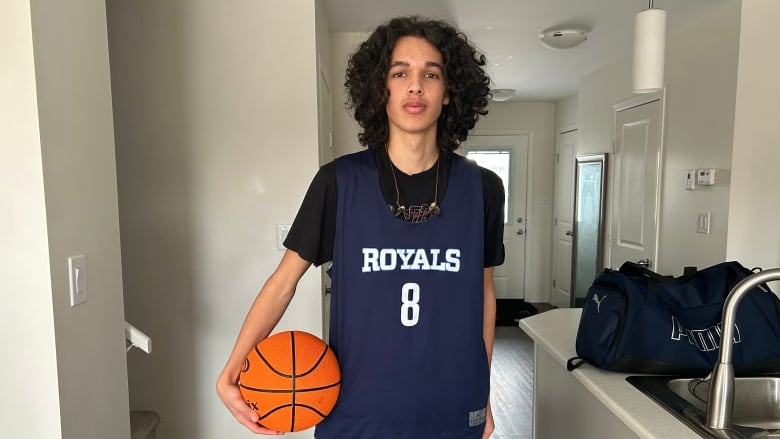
[[498, 161]]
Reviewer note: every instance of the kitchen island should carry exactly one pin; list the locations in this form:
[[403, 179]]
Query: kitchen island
[[587, 402]]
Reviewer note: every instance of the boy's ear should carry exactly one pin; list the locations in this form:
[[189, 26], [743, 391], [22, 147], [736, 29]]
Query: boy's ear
[[446, 99]]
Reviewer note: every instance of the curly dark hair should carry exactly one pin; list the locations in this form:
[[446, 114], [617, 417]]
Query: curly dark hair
[[467, 83]]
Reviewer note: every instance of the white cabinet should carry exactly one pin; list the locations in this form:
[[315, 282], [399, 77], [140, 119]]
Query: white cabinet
[[587, 402]]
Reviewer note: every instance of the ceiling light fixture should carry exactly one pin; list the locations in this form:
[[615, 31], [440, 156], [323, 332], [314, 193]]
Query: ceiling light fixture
[[649, 50], [502, 94], [562, 38]]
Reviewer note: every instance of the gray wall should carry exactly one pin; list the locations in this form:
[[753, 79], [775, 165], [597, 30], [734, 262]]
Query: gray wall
[[217, 141], [566, 112], [754, 229], [701, 74], [59, 184]]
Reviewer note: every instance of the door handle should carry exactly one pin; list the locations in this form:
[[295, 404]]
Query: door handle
[[569, 233], [643, 262], [520, 231]]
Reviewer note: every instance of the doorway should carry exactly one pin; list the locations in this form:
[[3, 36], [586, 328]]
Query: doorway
[[507, 156], [635, 190], [563, 226]]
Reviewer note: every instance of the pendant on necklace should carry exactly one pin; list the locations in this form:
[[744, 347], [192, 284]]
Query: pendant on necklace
[[415, 214]]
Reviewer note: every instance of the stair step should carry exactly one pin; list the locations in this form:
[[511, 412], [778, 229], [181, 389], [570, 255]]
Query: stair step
[[143, 424]]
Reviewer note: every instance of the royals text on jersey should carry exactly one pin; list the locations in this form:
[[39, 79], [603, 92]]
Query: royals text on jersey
[[391, 259]]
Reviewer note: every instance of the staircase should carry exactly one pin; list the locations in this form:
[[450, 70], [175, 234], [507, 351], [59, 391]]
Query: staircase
[[143, 424]]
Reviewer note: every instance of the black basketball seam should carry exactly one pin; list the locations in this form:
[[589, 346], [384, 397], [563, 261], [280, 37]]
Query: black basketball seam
[[306, 389], [319, 360], [267, 363], [275, 409], [312, 409], [280, 407], [314, 389], [256, 389], [292, 345]]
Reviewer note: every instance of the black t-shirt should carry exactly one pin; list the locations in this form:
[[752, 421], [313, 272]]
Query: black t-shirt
[[313, 232]]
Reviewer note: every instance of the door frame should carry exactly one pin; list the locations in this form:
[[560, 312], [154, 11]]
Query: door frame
[[554, 296], [626, 104]]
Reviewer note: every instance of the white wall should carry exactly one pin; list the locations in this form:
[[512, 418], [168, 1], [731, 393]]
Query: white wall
[[701, 67], [217, 141], [754, 228], [62, 156], [539, 118], [345, 129], [566, 112], [29, 402]]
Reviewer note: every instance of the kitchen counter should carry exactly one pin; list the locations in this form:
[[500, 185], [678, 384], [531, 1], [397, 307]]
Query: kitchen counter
[[593, 402]]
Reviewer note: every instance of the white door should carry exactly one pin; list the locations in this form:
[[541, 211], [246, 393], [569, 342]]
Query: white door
[[635, 191], [507, 156], [564, 215]]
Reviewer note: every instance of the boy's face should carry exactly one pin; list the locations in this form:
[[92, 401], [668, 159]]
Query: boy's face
[[417, 88]]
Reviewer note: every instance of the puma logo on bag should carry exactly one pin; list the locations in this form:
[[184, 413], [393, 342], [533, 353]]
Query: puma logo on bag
[[598, 301]]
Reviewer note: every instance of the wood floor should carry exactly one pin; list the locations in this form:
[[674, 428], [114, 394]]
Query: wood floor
[[511, 379]]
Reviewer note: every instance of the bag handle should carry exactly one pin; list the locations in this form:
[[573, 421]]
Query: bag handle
[[652, 278], [575, 362]]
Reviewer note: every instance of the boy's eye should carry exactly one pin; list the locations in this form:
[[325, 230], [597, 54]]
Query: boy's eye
[[398, 75], [431, 75]]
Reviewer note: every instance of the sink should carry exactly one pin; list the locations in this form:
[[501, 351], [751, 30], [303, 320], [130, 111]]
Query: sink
[[756, 404]]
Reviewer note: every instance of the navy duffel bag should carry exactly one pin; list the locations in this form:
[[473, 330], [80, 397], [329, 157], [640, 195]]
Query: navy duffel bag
[[637, 321]]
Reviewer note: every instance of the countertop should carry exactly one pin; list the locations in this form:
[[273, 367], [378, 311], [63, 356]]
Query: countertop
[[555, 332]]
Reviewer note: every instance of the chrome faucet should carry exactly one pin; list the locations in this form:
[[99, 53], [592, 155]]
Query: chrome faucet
[[720, 402]]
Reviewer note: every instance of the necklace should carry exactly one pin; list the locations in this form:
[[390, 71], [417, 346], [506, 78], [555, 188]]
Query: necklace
[[415, 214]]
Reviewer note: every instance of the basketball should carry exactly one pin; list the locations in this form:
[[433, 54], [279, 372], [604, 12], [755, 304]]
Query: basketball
[[291, 379]]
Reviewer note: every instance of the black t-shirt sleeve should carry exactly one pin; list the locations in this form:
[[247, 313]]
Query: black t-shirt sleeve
[[493, 193], [313, 231]]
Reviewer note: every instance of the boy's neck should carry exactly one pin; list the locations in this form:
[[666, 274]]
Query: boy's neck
[[413, 154]]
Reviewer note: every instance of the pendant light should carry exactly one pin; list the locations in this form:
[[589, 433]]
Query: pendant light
[[649, 50]]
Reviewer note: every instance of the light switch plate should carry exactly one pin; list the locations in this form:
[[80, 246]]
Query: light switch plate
[[77, 269], [281, 235], [690, 179], [703, 222]]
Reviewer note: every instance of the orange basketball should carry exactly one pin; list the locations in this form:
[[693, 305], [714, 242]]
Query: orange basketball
[[291, 379]]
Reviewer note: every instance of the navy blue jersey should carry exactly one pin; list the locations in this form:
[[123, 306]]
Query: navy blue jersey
[[407, 312]]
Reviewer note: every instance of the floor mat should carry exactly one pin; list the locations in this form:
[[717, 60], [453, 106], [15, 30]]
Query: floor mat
[[509, 311]]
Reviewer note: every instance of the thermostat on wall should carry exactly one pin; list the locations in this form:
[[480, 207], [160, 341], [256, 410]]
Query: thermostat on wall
[[705, 177]]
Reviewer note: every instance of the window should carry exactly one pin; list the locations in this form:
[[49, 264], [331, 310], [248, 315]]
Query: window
[[498, 161]]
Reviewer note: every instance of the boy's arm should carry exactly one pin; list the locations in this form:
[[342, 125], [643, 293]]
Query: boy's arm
[[263, 315], [489, 335]]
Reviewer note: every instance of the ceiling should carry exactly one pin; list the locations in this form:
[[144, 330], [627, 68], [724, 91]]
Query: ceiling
[[507, 33]]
